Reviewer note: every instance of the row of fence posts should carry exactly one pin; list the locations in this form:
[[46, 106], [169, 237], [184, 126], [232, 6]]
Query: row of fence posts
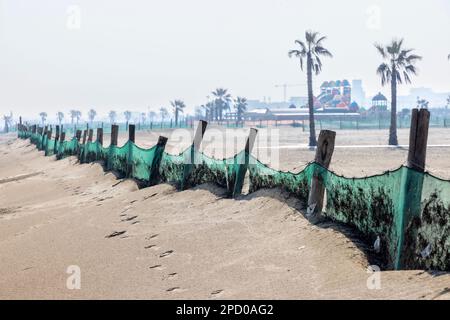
[[86, 136], [323, 154], [411, 186]]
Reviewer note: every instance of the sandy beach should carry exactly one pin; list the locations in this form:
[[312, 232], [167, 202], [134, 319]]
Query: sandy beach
[[159, 243]]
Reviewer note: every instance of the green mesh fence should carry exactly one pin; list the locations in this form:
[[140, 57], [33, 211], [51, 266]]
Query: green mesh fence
[[406, 211]]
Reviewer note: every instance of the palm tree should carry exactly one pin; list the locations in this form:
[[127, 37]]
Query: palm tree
[[143, 118], [43, 116], [8, 122], [241, 107], [112, 116], [311, 50], [178, 107], [91, 115], [422, 103], [127, 115], [222, 101], [448, 102], [75, 114], [163, 113], [151, 115], [398, 67], [60, 117]]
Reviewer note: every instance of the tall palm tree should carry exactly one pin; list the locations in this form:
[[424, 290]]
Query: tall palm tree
[[8, 121], [422, 103], [151, 115], [311, 50], [448, 102], [127, 115], [163, 113], [75, 114], [178, 107], [143, 118], [112, 116], [222, 100], [399, 66], [91, 115], [241, 107], [43, 116], [60, 117]]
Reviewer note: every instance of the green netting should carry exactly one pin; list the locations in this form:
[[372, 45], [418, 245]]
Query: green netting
[[406, 211]]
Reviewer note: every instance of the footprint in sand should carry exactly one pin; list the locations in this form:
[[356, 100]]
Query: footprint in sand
[[165, 254], [216, 292], [130, 218], [174, 289], [153, 236], [115, 234], [157, 267], [172, 275], [152, 246]]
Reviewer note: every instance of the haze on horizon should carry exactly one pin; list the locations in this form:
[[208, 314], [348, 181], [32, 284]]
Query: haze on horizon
[[117, 54]]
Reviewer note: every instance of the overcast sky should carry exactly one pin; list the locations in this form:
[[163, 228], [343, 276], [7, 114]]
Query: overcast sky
[[131, 54]]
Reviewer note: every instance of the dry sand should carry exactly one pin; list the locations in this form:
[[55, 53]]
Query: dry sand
[[190, 244]]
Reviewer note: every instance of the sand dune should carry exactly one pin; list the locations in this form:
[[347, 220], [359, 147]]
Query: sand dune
[[160, 243]]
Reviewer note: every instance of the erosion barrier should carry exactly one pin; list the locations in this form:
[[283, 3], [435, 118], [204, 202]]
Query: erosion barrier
[[404, 213]]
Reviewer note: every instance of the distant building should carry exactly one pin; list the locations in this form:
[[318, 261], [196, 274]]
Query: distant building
[[379, 103], [358, 94]]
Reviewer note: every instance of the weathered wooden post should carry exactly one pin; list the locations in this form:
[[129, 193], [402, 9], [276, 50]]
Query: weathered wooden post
[[47, 141], [100, 135], [324, 152], [132, 133], [33, 128], [242, 167], [154, 169], [90, 135], [84, 136], [78, 135], [131, 140], [112, 145], [61, 149], [191, 158], [55, 146], [412, 184], [114, 134]]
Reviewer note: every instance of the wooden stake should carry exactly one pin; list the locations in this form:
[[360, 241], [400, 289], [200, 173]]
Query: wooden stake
[[91, 135], [412, 188], [132, 133], [418, 137], [154, 169], [191, 159], [84, 136], [242, 167], [78, 135], [114, 134], [100, 135], [324, 152]]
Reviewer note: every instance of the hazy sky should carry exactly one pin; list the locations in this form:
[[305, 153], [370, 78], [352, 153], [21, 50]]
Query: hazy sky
[[117, 54]]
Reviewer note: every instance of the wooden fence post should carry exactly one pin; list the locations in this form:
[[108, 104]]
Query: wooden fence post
[[412, 185], [55, 146], [114, 134], [84, 136], [324, 152], [131, 139], [242, 167], [100, 135], [91, 135], [78, 135], [49, 137], [154, 169], [132, 133], [191, 158]]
